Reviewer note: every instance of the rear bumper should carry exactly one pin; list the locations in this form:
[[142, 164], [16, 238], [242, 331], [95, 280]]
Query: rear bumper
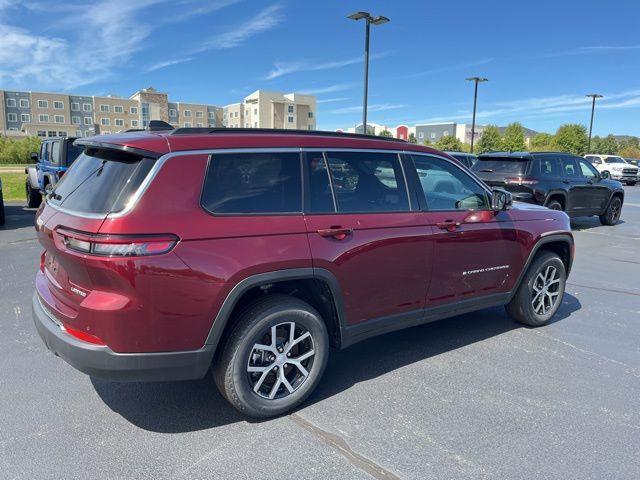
[[100, 361]]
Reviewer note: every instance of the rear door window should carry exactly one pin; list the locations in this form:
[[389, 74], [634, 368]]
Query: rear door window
[[508, 165], [550, 166], [570, 167], [367, 182], [101, 181], [261, 183]]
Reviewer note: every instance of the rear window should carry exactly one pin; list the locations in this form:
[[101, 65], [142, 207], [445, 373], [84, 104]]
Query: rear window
[[244, 183], [517, 166], [101, 181]]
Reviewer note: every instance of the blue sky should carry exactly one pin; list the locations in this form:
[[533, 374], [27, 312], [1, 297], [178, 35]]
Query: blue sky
[[540, 57]]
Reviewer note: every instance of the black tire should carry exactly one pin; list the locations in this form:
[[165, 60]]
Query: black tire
[[34, 197], [521, 307], [253, 324], [2, 217], [612, 214], [554, 205]]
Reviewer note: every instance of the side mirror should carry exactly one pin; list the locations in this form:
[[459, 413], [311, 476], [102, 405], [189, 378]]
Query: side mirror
[[500, 200], [34, 156], [605, 174]]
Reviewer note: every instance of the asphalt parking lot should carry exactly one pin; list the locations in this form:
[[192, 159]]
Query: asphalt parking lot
[[476, 396]]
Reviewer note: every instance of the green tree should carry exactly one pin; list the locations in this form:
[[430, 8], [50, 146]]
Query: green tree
[[607, 145], [490, 141], [450, 143], [571, 138], [385, 133], [14, 150], [630, 152], [513, 138], [412, 138], [542, 142]]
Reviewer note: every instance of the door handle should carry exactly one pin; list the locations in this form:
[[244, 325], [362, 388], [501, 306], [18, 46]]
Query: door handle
[[448, 225], [565, 181], [339, 233]]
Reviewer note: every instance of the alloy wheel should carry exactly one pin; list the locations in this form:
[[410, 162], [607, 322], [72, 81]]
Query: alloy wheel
[[614, 211], [281, 362], [546, 290]]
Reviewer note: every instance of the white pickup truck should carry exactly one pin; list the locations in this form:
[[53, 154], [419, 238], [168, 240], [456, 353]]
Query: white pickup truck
[[617, 167]]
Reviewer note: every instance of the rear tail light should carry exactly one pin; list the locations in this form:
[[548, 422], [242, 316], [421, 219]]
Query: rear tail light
[[520, 181], [117, 245], [84, 336]]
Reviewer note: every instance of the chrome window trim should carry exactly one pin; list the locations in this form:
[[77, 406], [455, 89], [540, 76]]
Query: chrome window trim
[[184, 153]]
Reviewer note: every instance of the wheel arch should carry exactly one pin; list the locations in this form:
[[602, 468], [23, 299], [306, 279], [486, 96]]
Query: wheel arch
[[316, 286], [560, 243], [558, 195]]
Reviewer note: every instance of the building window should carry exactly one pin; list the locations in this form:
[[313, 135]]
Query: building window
[[44, 118], [12, 117], [255, 124], [445, 133], [290, 119], [246, 124], [119, 122], [105, 121], [134, 123], [310, 114], [246, 112], [255, 111], [62, 134], [42, 133], [106, 132], [75, 120], [236, 114], [88, 120], [309, 127], [199, 125], [58, 118], [104, 108], [58, 105], [224, 116], [43, 104], [118, 109], [51, 133], [420, 135], [75, 106], [25, 118], [13, 129], [172, 112], [290, 108], [87, 107], [433, 134], [11, 102], [187, 124], [211, 115], [187, 113], [133, 110], [199, 114], [24, 103]]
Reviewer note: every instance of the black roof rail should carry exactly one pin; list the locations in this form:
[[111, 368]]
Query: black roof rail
[[249, 131]]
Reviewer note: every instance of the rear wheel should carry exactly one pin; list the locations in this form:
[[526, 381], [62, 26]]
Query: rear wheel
[[612, 214], [34, 198], [554, 205], [540, 293], [274, 357]]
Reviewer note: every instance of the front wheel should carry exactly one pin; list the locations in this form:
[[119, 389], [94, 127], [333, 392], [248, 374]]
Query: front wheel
[[612, 214], [273, 358], [540, 293], [34, 197]]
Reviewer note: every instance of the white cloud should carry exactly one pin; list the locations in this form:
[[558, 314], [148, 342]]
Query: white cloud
[[332, 100], [338, 87], [168, 63], [286, 68], [264, 20], [380, 107]]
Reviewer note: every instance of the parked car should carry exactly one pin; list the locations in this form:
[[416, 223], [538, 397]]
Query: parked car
[[617, 167], [54, 158], [467, 159], [2, 218], [635, 162], [559, 181], [248, 253]]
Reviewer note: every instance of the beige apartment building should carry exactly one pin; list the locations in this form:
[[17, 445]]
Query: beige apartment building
[[53, 114]]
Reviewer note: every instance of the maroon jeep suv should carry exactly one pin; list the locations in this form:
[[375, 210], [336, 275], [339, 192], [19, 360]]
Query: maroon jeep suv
[[249, 253]]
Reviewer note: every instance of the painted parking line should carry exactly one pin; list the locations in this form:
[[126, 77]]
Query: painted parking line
[[627, 204]]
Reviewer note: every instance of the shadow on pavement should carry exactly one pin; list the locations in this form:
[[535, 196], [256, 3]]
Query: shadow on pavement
[[587, 223], [197, 405], [18, 216]]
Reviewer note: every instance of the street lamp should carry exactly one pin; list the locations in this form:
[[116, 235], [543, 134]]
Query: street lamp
[[475, 80], [593, 96], [369, 20]]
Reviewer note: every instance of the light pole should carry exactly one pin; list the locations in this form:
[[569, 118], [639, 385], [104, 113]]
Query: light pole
[[369, 20], [475, 80], [593, 97]]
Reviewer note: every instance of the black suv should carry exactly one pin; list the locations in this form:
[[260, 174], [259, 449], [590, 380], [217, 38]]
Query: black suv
[[559, 181]]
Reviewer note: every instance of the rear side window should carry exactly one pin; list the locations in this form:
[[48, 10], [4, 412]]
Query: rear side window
[[513, 166], [101, 181], [550, 166], [253, 183], [55, 153], [73, 152], [367, 182]]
